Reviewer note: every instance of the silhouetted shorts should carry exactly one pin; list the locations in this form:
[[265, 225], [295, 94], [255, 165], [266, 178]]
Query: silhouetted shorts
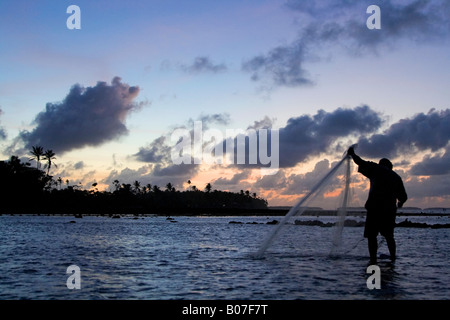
[[379, 222]]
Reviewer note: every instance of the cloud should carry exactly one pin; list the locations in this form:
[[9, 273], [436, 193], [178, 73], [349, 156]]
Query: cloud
[[235, 180], [284, 65], [329, 194], [277, 181], [208, 119], [302, 138], [153, 174], [433, 165], [2, 130], [306, 136], [265, 123], [158, 152], [128, 175], [429, 131], [87, 116], [343, 23], [419, 20], [203, 64], [433, 186], [302, 183], [79, 165]]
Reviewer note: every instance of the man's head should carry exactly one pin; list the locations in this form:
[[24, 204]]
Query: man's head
[[385, 163]]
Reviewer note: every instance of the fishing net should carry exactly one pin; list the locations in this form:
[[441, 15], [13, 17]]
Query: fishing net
[[302, 206]]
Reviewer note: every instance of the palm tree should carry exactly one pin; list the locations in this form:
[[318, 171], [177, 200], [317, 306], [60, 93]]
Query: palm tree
[[37, 152], [116, 184], [49, 155], [126, 188], [137, 187], [15, 164], [170, 187]]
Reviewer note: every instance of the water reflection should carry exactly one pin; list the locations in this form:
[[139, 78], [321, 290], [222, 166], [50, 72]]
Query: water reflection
[[390, 282], [207, 258]]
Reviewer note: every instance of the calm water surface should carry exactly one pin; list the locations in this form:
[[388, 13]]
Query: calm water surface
[[209, 258]]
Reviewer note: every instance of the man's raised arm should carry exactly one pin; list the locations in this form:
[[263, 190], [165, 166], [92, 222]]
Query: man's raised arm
[[356, 158]]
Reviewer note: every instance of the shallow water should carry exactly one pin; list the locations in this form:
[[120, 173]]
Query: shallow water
[[209, 258]]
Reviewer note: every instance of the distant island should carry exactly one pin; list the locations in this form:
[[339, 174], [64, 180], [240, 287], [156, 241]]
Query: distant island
[[30, 190], [361, 211], [26, 189]]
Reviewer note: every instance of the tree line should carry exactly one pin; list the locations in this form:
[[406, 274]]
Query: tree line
[[31, 189]]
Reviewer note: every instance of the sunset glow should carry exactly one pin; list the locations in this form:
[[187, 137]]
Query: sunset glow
[[108, 96]]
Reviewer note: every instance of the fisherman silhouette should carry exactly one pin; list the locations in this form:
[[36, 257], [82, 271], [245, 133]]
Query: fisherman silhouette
[[386, 188]]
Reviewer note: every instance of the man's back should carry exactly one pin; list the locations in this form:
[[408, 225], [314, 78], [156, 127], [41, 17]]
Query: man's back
[[386, 186]]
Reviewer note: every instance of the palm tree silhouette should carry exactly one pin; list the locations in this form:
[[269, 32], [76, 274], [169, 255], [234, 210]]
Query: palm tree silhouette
[[37, 152], [49, 155], [170, 187], [137, 187]]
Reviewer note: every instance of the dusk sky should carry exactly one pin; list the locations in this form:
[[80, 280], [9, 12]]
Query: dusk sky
[[107, 97]]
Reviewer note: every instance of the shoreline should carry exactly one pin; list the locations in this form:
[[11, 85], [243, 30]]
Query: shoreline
[[188, 212], [313, 223]]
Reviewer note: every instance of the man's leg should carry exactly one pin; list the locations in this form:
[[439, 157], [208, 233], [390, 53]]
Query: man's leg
[[373, 248], [391, 246]]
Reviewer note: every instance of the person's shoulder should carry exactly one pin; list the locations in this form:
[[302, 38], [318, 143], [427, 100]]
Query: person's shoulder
[[396, 175], [370, 164], [367, 168]]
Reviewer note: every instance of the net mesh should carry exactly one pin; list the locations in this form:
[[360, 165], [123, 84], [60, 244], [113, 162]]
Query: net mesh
[[301, 207]]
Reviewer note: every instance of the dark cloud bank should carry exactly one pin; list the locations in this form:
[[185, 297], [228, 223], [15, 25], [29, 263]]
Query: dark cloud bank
[[306, 136], [309, 136], [424, 131], [88, 116], [343, 23], [2, 130]]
